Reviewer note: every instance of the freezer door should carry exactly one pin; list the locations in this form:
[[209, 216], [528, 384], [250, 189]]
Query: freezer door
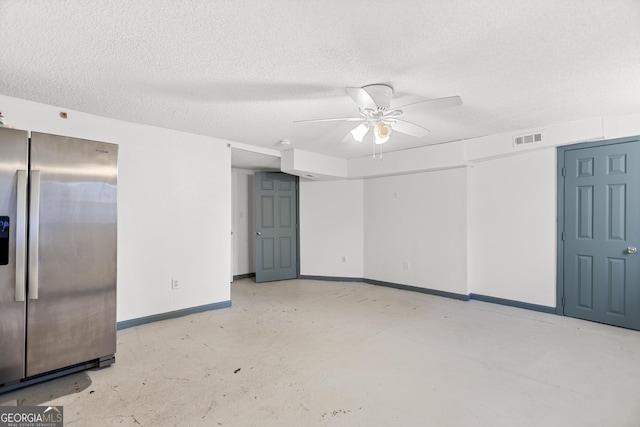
[[72, 252], [13, 158]]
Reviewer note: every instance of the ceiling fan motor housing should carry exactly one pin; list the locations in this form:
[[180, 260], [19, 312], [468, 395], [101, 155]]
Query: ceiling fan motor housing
[[381, 95]]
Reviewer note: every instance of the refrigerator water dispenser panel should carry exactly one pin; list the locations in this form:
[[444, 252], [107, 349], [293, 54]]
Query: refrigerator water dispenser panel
[[4, 240]]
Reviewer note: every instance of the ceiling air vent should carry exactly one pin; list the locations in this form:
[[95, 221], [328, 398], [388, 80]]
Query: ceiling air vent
[[527, 139]]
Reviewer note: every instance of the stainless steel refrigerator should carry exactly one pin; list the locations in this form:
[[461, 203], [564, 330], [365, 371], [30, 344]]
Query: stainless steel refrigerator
[[58, 236]]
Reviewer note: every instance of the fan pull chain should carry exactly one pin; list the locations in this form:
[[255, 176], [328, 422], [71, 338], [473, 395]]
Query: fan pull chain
[[378, 152], [373, 144]]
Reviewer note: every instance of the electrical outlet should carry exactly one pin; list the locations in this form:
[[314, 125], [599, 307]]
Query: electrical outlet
[[344, 259], [406, 265], [174, 284]]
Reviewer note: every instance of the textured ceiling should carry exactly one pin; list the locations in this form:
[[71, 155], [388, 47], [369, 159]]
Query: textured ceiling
[[245, 70]]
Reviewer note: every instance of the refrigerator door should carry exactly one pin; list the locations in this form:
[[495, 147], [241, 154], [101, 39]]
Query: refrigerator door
[[72, 252], [14, 148]]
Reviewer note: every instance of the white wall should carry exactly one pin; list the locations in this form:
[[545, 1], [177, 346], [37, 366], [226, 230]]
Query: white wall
[[313, 165], [243, 224], [513, 208], [331, 227], [174, 207], [421, 159], [419, 218], [456, 227], [486, 224], [512, 228]]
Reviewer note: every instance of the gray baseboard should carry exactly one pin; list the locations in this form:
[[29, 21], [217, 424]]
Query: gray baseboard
[[462, 297], [453, 295], [513, 303], [332, 278], [172, 314]]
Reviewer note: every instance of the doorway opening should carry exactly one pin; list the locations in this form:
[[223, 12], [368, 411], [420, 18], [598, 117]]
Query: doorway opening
[[244, 166]]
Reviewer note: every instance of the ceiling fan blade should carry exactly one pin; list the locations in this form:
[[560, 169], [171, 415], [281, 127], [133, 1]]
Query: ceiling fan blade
[[434, 104], [409, 128], [361, 97], [340, 119], [348, 138]]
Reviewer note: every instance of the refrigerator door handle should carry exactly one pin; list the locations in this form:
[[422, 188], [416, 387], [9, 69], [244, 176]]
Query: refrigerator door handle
[[34, 233], [21, 235]]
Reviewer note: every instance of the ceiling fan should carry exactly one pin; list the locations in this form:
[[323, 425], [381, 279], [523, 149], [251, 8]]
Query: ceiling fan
[[374, 103]]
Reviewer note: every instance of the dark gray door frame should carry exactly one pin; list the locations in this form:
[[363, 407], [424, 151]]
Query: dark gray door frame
[[560, 208]]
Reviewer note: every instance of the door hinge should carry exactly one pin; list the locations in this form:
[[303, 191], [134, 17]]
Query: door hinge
[[563, 301], [564, 171], [563, 236]]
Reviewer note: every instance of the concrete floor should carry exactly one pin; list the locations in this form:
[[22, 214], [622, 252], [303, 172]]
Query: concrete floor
[[311, 353]]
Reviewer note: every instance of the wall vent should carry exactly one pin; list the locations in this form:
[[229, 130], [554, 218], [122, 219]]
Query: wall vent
[[527, 139]]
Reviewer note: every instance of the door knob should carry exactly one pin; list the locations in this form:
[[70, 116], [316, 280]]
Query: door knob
[[631, 250], [259, 233]]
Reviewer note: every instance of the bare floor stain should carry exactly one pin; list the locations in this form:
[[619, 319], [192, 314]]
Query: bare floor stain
[[52, 389]]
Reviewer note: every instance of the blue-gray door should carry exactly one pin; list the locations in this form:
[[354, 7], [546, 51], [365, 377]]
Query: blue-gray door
[[276, 226], [601, 233]]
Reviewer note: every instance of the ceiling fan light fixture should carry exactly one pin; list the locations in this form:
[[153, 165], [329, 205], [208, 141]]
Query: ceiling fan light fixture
[[382, 132], [381, 140], [360, 131]]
